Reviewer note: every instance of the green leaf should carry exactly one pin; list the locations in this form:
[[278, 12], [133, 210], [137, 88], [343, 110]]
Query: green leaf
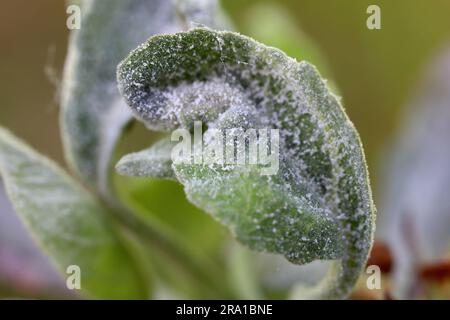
[[319, 204], [67, 222], [93, 113], [155, 162]]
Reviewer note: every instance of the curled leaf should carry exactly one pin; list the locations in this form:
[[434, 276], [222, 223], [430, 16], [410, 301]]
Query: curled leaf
[[67, 222], [318, 204]]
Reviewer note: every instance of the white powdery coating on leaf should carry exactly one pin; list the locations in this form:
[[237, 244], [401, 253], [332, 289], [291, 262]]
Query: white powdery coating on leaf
[[155, 162], [189, 102], [319, 205]]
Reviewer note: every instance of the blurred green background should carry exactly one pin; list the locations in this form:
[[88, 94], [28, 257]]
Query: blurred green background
[[376, 71]]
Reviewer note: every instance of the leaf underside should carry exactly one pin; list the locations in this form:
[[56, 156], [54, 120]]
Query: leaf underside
[[318, 205]]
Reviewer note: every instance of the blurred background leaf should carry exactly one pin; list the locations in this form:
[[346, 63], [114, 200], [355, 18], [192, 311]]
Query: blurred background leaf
[[24, 269], [68, 223]]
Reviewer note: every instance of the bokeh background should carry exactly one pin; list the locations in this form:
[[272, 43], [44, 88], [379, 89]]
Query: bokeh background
[[376, 72]]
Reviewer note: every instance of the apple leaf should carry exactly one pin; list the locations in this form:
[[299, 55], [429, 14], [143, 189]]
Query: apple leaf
[[67, 222]]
